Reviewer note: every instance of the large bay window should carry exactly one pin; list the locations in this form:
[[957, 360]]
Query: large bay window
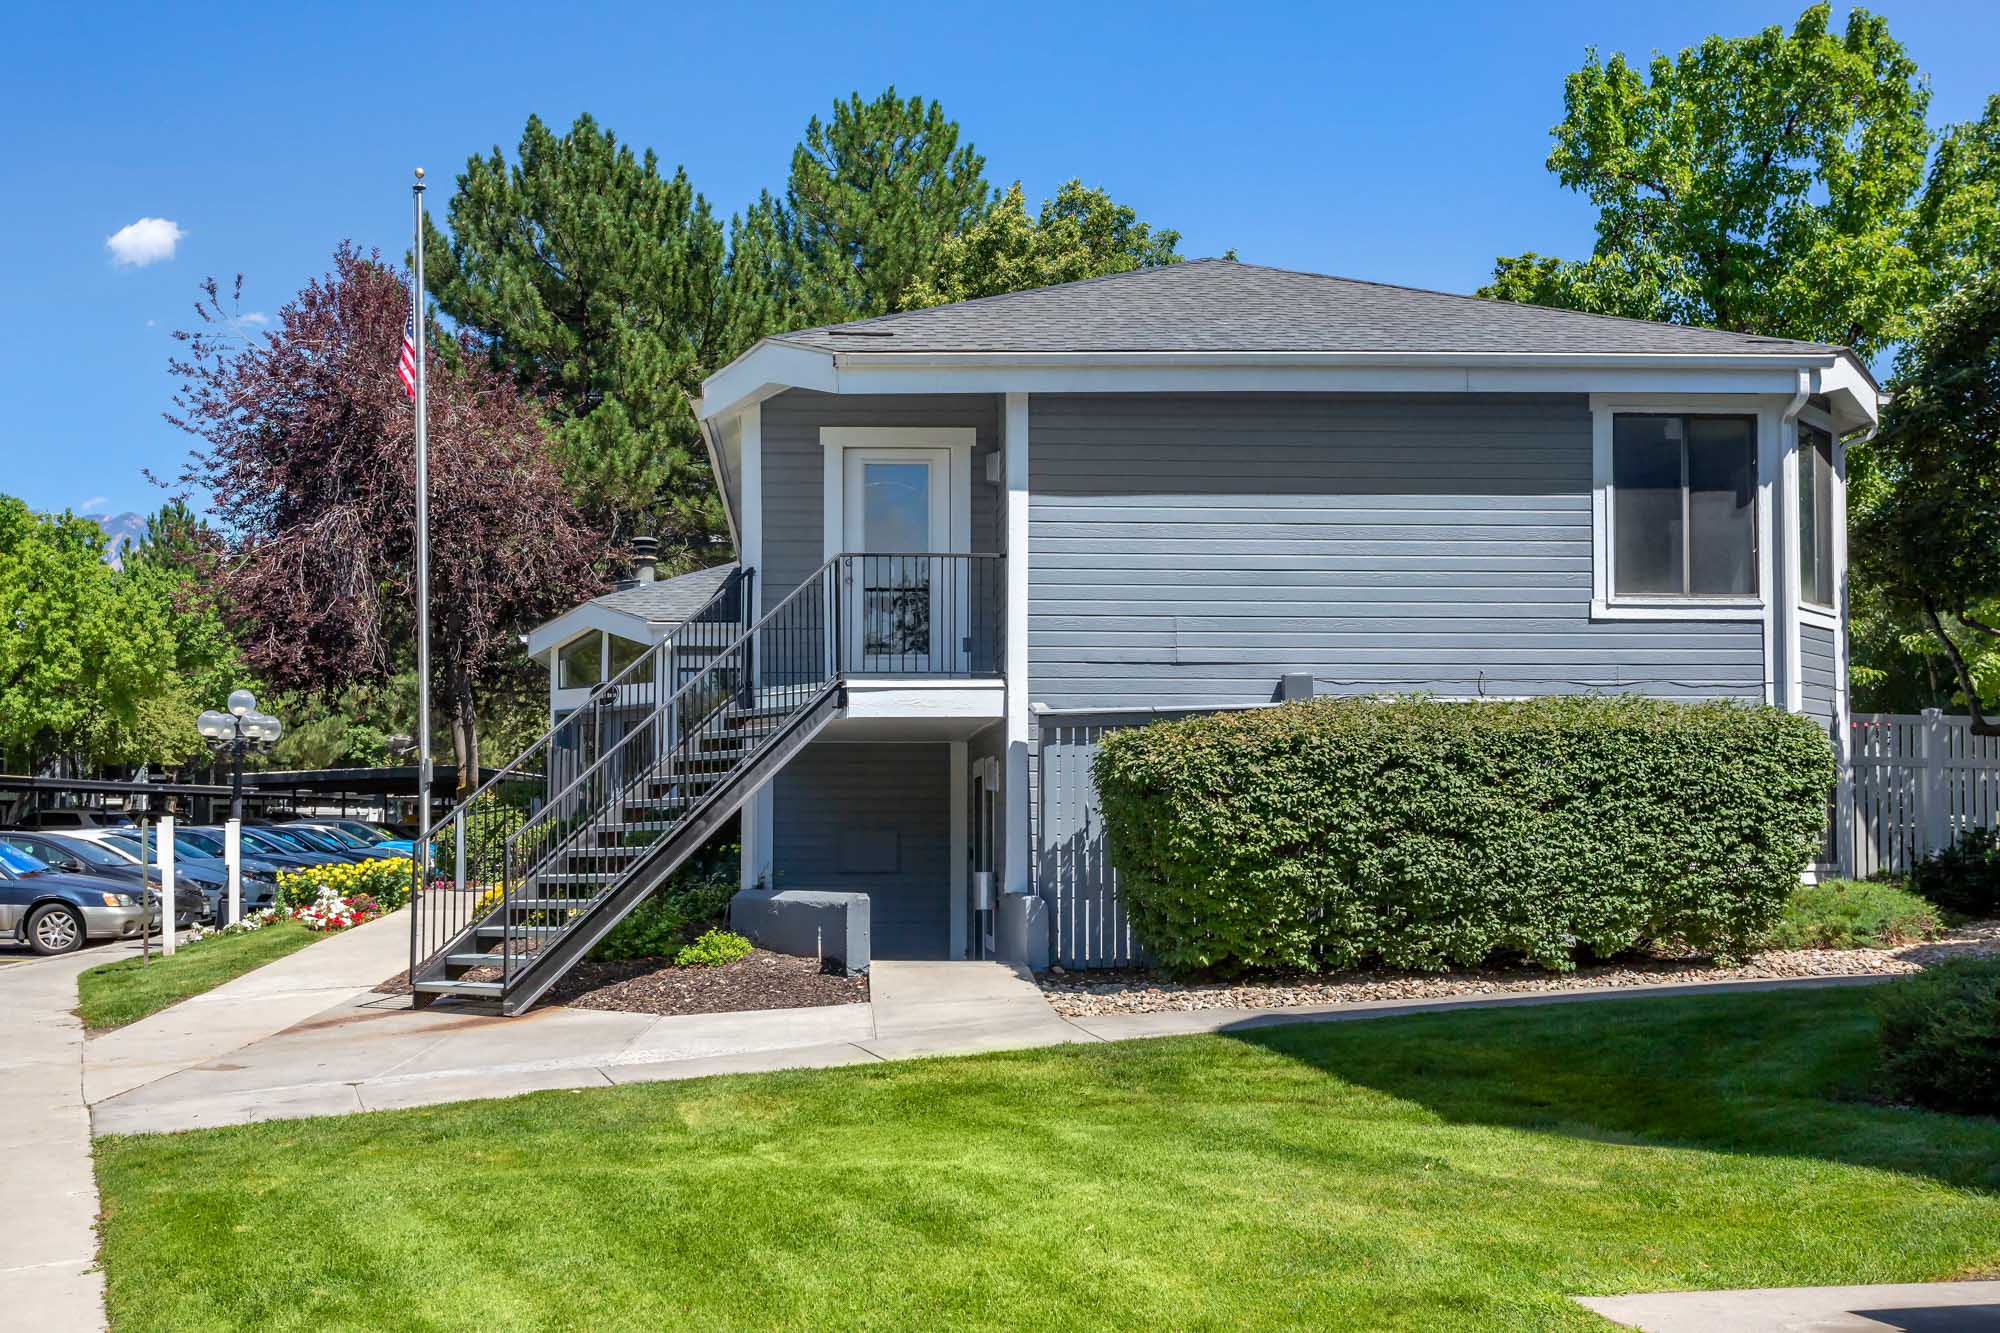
[[1683, 506], [1816, 582]]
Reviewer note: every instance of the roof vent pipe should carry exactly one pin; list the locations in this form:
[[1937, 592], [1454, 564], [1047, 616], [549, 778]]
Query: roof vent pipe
[[645, 555]]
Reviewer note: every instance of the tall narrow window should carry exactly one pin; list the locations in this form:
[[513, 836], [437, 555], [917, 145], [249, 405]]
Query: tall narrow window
[[580, 662], [1816, 584], [1684, 506], [624, 652]]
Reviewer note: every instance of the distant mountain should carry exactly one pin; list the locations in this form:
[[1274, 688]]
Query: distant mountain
[[125, 531]]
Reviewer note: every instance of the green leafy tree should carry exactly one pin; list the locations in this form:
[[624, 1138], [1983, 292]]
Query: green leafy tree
[[600, 284], [1929, 545], [1772, 184], [82, 651], [173, 566], [874, 194], [1081, 233]]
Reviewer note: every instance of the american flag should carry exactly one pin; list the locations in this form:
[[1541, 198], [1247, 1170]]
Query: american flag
[[408, 367]]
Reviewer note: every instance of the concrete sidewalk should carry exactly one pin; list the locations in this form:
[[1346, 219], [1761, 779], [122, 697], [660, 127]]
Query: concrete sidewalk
[[1917, 1307], [372, 1052], [255, 1005], [48, 1264]]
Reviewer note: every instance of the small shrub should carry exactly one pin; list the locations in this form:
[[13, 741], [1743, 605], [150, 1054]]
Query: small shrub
[[1431, 835], [1851, 914], [1941, 1037], [654, 929], [657, 927], [1964, 878], [713, 949]]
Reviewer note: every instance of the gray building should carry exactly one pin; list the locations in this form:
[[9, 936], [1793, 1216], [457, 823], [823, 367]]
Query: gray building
[[984, 534]]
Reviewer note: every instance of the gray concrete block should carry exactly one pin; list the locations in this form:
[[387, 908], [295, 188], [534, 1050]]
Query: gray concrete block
[[805, 922], [1021, 930]]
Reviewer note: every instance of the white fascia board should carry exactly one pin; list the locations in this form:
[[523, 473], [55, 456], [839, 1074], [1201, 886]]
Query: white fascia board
[[1133, 372], [590, 616], [1857, 403], [886, 697], [722, 465], [770, 367], [774, 365]]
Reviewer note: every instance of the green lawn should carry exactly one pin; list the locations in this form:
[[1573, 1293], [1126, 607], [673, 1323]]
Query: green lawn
[[114, 994], [1460, 1171]]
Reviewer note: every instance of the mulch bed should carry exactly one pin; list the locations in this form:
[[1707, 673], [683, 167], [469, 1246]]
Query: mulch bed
[[759, 980], [1139, 990]]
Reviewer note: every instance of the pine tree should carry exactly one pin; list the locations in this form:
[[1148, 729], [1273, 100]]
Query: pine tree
[[599, 284], [874, 193]]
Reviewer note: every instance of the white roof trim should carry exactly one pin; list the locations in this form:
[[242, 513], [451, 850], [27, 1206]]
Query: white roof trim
[[774, 365], [581, 619], [771, 366]]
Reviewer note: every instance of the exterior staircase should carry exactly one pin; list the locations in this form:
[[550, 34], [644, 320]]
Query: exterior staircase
[[540, 863]]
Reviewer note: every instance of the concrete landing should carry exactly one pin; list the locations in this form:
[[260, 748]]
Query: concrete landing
[[1921, 1307], [960, 1007]]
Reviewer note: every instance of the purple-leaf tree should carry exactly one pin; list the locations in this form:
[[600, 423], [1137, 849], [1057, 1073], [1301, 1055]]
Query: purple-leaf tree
[[308, 446]]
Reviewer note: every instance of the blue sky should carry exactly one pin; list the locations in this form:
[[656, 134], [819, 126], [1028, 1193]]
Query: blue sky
[[1396, 142]]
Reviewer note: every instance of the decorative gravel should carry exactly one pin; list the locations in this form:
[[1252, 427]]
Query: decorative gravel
[[1137, 990]]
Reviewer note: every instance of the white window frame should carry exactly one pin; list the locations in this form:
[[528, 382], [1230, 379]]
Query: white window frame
[[1605, 604], [1818, 614], [835, 441]]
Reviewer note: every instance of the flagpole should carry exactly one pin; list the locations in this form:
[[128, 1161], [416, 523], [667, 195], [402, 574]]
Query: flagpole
[[420, 327]]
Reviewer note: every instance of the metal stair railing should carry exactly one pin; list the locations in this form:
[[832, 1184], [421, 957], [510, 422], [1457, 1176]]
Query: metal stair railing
[[466, 851], [658, 777], [911, 614], [608, 829]]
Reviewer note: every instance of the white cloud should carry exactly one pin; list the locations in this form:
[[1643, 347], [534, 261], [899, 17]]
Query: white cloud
[[147, 241], [91, 505], [256, 317]]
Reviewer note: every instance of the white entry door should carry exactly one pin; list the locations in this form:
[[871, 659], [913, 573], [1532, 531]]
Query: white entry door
[[896, 511]]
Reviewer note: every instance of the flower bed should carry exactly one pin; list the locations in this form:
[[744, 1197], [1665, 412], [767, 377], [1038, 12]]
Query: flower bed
[[385, 881], [327, 912]]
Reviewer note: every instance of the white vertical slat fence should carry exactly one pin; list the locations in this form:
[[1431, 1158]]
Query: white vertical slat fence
[[1918, 779]]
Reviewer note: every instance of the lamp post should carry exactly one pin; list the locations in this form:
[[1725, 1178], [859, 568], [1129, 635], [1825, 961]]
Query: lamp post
[[234, 733]]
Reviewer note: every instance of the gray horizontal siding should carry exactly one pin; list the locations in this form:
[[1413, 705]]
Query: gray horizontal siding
[[794, 513], [1819, 671], [832, 792], [1187, 552]]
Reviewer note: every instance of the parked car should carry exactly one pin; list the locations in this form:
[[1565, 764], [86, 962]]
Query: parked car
[[271, 843], [340, 839], [321, 840], [52, 912], [193, 855], [189, 871], [79, 856], [71, 819], [373, 834]]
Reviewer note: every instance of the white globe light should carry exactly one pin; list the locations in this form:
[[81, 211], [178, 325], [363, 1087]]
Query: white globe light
[[242, 702], [272, 728], [212, 724]]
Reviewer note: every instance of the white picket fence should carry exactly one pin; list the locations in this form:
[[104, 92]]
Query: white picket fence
[[1917, 780]]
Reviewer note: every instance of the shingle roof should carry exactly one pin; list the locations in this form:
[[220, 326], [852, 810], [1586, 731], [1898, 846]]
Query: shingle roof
[[1220, 305], [668, 601]]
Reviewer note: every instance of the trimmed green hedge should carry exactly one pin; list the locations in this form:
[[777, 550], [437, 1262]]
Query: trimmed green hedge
[[1430, 835]]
